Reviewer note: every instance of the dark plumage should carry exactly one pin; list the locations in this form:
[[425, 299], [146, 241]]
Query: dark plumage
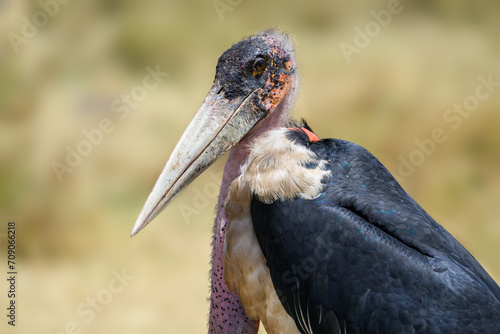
[[365, 257]]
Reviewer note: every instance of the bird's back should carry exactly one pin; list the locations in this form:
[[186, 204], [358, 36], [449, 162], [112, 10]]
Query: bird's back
[[365, 251]]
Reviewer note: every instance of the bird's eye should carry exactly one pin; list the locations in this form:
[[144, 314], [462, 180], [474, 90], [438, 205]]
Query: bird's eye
[[259, 65]]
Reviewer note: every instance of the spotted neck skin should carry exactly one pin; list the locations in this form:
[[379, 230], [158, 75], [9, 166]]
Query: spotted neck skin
[[226, 312], [227, 315]]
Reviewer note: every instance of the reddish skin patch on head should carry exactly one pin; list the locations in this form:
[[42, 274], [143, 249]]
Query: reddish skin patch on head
[[276, 88], [277, 84], [311, 135]]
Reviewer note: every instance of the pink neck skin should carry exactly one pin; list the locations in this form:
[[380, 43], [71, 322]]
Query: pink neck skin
[[227, 315]]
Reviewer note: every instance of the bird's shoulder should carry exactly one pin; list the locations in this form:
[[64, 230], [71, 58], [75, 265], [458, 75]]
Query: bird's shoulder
[[360, 187]]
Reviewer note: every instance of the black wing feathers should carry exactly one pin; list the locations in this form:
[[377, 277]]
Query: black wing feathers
[[364, 257]]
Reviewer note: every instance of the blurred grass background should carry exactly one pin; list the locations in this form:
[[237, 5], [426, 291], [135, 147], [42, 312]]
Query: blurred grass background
[[72, 234]]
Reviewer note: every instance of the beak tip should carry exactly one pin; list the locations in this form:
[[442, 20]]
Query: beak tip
[[133, 233], [139, 225], [135, 230]]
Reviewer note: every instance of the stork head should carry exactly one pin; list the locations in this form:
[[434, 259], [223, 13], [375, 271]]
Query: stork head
[[254, 84]]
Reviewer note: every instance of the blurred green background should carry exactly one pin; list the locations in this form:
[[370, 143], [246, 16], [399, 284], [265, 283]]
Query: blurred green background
[[65, 77]]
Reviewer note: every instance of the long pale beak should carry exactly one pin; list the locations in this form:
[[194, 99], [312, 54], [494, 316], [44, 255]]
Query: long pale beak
[[219, 124]]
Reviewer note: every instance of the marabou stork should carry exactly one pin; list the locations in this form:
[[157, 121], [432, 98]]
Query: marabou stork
[[313, 235]]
